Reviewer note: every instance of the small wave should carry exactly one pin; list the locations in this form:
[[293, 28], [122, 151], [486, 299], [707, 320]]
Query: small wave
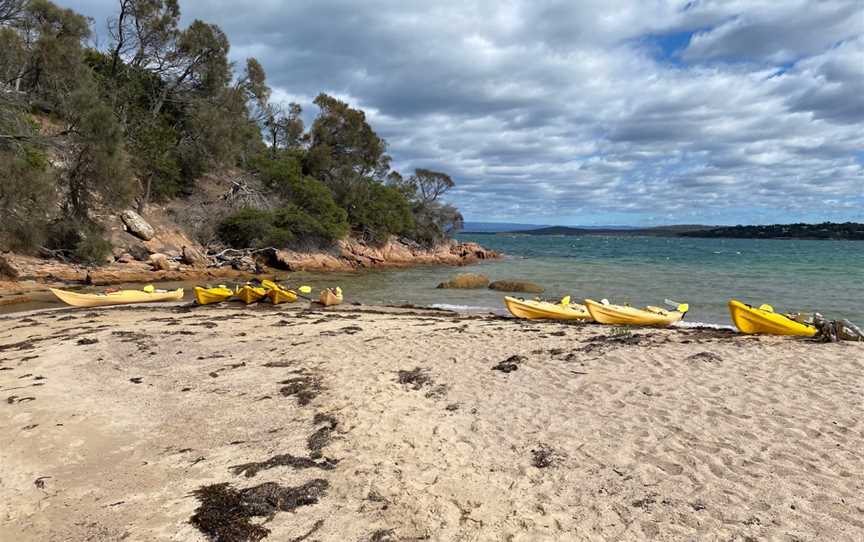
[[461, 308], [703, 325]]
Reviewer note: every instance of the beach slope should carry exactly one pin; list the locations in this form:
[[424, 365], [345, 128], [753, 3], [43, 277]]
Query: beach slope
[[359, 423]]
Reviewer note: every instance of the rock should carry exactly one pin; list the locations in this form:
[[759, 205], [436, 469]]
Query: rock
[[139, 252], [159, 262], [246, 264], [125, 258], [466, 281], [194, 257], [137, 225], [516, 286]]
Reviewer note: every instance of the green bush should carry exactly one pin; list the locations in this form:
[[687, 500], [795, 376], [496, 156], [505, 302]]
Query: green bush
[[27, 196], [309, 212], [93, 248], [83, 242], [247, 228], [379, 211]]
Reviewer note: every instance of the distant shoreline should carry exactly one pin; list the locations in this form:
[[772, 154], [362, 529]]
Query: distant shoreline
[[849, 231]]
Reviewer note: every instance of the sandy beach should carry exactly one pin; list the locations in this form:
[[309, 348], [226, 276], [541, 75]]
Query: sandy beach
[[380, 424]]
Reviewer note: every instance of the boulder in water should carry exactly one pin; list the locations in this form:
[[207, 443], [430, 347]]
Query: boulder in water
[[466, 281]]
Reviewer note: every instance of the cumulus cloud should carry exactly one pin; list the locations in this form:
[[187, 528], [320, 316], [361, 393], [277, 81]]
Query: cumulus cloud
[[581, 112]]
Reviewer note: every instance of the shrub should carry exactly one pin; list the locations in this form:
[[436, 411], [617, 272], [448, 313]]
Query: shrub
[[26, 198], [81, 241], [379, 211], [247, 228]]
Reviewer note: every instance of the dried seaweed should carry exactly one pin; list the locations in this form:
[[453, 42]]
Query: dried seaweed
[[415, 378], [224, 512], [283, 460], [509, 365]]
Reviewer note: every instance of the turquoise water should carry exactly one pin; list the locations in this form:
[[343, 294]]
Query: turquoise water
[[805, 276], [824, 276]]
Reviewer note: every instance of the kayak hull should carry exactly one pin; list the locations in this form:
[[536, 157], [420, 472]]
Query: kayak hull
[[328, 297], [751, 320], [542, 310], [208, 296], [279, 295], [123, 297], [631, 316], [250, 294]]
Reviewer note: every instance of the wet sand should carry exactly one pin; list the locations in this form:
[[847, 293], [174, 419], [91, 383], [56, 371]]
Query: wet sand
[[370, 424]]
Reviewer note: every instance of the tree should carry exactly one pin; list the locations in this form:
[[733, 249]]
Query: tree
[[433, 221], [344, 147], [27, 195], [430, 185], [197, 62], [142, 32], [98, 168], [11, 10]]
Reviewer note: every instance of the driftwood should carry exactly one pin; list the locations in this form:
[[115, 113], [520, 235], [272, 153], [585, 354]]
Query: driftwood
[[242, 194], [837, 330]]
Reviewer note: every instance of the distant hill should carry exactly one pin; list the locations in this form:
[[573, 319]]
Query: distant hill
[[497, 227], [828, 230], [851, 231], [659, 231]]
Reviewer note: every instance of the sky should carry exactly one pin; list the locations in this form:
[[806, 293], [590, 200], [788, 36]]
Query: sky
[[585, 112]]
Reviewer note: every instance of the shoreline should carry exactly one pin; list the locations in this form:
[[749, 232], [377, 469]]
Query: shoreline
[[24, 274], [134, 421]]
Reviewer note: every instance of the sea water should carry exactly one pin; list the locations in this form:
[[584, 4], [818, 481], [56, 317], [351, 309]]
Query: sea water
[[793, 276]]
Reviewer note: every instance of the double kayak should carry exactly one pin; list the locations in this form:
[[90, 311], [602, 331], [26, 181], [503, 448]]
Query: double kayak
[[121, 297], [535, 310], [330, 296], [606, 313], [764, 320], [206, 296]]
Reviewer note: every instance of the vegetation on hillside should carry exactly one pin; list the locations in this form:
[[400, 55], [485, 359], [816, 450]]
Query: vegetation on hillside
[[827, 230], [86, 131]]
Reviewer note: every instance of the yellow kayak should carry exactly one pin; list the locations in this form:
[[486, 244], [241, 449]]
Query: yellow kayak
[[122, 297], [330, 296], [764, 320], [532, 310], [250, 294], [206, 296], [278, 294], [605, 313]]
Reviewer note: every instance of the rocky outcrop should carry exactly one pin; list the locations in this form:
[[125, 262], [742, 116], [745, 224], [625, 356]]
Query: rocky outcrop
[[136, 225], [352, 254], [516, 286], [182, 264], [466, 281]]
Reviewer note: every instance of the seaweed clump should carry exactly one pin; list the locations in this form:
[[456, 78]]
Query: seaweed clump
[[318, 440], [283, 460], [415, 378], [304, 388], [509, 365], [225, 512]]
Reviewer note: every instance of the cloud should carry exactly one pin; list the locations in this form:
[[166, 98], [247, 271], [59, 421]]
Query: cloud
[[555, 111]]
